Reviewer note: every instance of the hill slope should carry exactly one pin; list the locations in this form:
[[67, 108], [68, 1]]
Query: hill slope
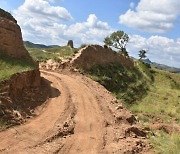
[[152, 95], [29, 44], [55, 53], [162, 66]]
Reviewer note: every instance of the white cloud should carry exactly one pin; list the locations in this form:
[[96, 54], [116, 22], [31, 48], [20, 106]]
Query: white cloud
[[91, 31], [41, 9], [43, 23], [132, 5], [156, 16], [160, 49]]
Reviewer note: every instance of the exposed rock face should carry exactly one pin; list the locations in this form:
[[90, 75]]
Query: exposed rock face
[[21, 94], [20, 81], [97, 55], [10, 36], [70, 43], [24, 80]]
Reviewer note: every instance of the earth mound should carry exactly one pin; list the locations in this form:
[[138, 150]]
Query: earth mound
[[10, 36], [19, 90], [97, 55]]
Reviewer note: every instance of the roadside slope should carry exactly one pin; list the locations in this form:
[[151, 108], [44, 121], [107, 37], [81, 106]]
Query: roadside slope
[[83, 118]]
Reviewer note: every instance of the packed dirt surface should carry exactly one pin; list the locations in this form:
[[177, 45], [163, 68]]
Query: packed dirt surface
[[80, 117]]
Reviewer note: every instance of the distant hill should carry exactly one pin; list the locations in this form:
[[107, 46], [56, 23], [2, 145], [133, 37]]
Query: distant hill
[[29, 44], [147, 61], [162, 66]]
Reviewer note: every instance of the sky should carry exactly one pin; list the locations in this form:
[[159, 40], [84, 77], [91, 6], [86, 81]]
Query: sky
[[153, 25]]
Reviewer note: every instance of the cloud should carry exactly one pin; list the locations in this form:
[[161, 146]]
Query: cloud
[[160, 49], [132, 5], [91, 31], [43, 23], [41, 9], [152, 16]]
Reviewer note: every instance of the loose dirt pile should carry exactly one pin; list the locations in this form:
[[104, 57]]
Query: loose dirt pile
[[83, 118]]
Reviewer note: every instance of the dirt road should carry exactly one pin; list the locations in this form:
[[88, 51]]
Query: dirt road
[[81, 117]]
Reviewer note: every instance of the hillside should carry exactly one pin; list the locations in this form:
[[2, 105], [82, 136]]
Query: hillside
[[55, 53], [152, 95], [166, 68], [29, 44], [162, 66]]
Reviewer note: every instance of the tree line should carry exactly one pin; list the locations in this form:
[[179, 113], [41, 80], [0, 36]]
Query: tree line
[[119, 40]]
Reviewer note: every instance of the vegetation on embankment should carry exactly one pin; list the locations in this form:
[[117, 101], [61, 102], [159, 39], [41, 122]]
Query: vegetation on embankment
[[161, 107], [162, 99], [128, 84], [56, 53], [10, 66], [152, 95]]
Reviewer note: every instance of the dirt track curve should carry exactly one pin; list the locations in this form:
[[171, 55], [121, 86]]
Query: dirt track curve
[[81, 117]]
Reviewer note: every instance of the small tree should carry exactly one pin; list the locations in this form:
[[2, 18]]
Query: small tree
[[142, 54], [117, 40]]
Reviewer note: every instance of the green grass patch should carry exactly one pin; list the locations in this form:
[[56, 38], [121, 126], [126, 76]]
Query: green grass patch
[[162, 99], [51, 53], [129, 84], [165, 143], [10, 66], [161, 105]]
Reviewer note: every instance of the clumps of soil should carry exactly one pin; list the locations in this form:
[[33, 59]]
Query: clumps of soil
[[135, 131], [167, 128], [66, 129]]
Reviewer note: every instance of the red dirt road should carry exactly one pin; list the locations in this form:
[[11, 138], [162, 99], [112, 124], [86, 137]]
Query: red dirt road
[[81, 117]]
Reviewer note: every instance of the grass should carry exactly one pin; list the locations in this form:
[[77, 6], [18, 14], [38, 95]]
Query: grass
[[51, 53], [161, 105], [128, 84], [162, 100], [152, 95], [165, 143], [10, 66]]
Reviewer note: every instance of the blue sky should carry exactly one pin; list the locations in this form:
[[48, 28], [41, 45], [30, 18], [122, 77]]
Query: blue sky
[[151, 24]]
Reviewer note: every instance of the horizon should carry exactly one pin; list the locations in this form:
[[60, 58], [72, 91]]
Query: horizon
[[151, 24]]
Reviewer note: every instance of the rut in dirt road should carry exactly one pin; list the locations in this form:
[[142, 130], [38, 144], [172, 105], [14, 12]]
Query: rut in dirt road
[[83, 118]]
